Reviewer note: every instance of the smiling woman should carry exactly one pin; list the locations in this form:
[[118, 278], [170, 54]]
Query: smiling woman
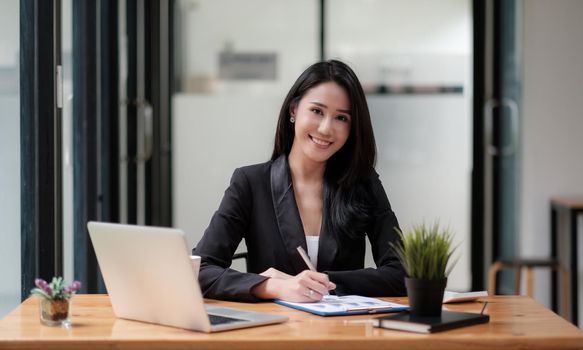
[[320, 187], [322, 122]]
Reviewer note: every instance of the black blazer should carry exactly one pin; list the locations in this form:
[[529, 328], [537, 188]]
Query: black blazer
[[259, 206]]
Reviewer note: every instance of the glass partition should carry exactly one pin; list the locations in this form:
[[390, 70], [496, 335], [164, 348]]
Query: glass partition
[[414, 61], [67, 135], [233, 69], [9, 157]]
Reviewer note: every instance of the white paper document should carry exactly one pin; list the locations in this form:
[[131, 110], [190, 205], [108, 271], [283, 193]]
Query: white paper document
[[332, 305], [455, 297]]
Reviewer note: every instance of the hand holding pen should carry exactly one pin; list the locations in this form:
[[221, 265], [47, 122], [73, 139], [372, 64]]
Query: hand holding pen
[[325, 281], [307, 286]]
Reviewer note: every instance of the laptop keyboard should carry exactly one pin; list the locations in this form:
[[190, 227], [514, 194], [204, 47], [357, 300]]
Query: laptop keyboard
[[216, 320]]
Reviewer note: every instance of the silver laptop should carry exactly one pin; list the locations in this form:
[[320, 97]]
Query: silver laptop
[[149, 277]]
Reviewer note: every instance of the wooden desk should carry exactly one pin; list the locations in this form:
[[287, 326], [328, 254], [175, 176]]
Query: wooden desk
[[564, 248], [516, 322]]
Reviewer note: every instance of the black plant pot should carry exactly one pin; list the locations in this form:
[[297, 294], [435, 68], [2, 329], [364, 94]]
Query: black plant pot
[[425, 296]]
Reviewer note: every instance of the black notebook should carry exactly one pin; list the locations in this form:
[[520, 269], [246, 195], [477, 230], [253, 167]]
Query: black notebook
[[423, 324]]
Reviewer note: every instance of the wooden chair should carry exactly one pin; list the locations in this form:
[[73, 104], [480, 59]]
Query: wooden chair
[[529, 264]]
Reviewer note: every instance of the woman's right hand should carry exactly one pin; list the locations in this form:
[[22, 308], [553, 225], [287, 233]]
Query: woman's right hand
[[307, 286]]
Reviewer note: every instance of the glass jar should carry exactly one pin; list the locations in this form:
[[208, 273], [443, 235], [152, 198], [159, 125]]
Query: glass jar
[[55, 312]]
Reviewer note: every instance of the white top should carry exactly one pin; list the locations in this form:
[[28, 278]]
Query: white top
[[312, 243]]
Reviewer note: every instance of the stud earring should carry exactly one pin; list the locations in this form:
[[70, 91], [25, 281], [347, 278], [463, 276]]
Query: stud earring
[[292, 120]]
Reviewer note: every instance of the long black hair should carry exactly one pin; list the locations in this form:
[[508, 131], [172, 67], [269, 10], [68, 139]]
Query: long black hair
[[347, 191]]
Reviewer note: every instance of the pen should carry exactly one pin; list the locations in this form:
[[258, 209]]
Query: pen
[[370, 309], [306, 258], [484, 308]]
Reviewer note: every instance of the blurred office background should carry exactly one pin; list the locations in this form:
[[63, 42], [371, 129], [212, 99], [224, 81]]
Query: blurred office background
[[223, 118], [475, 104]]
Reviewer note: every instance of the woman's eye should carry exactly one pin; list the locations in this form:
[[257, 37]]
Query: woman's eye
[[342, 118], [316, 110]]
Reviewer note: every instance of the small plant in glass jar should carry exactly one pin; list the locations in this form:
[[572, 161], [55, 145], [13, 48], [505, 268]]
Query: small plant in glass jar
[[55, 300]]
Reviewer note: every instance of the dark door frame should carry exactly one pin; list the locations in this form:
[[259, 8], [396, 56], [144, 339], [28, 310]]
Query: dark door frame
[[149, 87], [478, 265], [158, 66], [95, 130], [496, 94], [99, 185], [40, 140]]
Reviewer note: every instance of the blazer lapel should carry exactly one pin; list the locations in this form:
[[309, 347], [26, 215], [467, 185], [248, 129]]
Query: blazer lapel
[[286, 212], [328, 246]]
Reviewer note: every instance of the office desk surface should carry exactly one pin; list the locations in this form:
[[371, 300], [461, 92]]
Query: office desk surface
[[515, 323]]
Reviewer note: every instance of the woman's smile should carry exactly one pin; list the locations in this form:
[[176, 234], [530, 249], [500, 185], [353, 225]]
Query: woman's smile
[[320, 142]]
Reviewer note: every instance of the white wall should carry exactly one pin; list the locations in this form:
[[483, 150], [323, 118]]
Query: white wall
[[9, 38], [288, 28], [385, 39], [424, 142], [9, 160], [424, 161], [213, 135], [552, 130], [9, 203], [436, 26]]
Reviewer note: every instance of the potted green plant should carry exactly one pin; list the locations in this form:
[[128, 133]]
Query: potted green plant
[[55, 300], [424, 252]]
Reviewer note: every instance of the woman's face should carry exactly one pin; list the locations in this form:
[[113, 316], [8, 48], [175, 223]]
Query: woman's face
[[322, 122]]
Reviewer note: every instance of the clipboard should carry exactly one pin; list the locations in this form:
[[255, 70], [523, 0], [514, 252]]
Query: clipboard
[[333, 305]]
